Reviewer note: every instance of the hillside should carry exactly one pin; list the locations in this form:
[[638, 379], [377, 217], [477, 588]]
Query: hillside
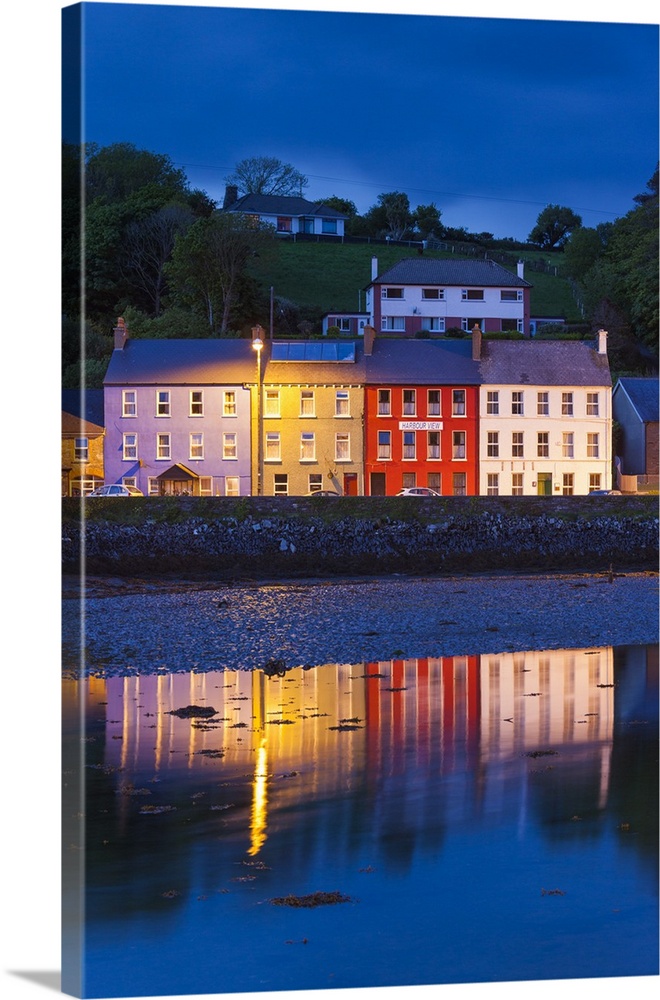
[[333, 276]]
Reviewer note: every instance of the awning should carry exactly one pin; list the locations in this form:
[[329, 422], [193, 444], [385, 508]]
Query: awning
[[178, 474]]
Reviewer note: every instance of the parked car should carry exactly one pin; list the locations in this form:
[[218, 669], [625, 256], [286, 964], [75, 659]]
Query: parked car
[[605, 493], [116, 490], [418, 491], [323, 493]]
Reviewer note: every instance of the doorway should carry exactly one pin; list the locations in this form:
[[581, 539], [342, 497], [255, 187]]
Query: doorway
[[544, 484]]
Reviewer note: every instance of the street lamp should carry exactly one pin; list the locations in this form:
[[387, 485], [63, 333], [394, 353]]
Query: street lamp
[[257, 345]]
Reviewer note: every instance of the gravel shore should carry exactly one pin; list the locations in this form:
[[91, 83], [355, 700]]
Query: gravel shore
[[158, 626]]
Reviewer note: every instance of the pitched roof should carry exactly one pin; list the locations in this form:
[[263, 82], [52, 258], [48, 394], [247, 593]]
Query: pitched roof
[[85, 405], [275, 204], [421, 362], [543, 362], [182, 362], [643, 394], [426, 271]]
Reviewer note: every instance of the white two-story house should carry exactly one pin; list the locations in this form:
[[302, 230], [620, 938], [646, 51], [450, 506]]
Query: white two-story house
[[545, 417], [422, 293]]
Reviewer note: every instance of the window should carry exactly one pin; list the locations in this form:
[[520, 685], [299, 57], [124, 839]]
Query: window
[[232, 486], [197, 445], [517, 484], [433, 293], [458, 444], [329, 226], [393, 323], [307, 447], [205, 486], [459, 484], [273, 453], [344, 324], [162, 403], [307, 403], [153, 487], [384, 402], [567, 404], [543, 444], [492, 484], [493, 444], [129, 403], [433, 445], [272, 403], [129, 481], [384, 445], [230, 445], [594, 481], [592, 404], [433, 403], [229, 403], [435, 481], [511, 295], [458, 402], [129, 447], [342, 403], [281, 484], [592, 445], [315, 482], [284, 223], [567, 445], [472, 294], [408, 445], [468, 323], [517, 450], [542, 404], [509, 323], [342, 447], [409, 480], [81, 449], [196, 403], [517, 403], [409, 402], [163, 446], [436, 324], [492, 402], [567, 487], [392, 293]]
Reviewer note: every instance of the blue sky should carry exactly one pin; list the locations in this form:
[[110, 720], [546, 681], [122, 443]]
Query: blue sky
[[490, 119]]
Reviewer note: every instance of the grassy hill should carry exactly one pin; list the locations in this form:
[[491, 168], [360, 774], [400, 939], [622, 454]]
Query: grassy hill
[[333, 276]]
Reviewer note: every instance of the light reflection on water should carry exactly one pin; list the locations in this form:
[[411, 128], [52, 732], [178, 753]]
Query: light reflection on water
[[492, 818]]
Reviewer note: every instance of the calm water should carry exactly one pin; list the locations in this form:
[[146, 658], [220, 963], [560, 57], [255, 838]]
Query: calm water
[[488, 817]]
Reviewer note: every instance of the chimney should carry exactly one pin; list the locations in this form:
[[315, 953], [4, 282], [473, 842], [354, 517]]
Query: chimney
[[602, 341], [521, 268], [476, 343], [231, 196], [121, 334], [369, 337], [374, 268]]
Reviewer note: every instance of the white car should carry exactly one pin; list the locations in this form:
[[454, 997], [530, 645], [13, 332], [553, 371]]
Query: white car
[[116, 490], [418, 491]]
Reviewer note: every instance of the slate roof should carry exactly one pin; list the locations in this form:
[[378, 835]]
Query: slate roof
[[78, 405], [182, 362], [421, 362], [543, 362], [467, 273], [643, 394], [274, 204]]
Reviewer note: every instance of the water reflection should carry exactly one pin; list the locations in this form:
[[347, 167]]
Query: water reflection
[[412, 771]]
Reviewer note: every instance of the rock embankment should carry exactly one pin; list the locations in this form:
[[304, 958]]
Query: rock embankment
[[291, 544]]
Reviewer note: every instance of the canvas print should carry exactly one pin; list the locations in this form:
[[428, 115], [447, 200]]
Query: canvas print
[[359, 501]]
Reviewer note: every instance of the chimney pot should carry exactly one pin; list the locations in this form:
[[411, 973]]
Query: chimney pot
[[231, 196], [602, 341], [521, 268], [374, 268], [476, 343], [121, 334], [369, 337]]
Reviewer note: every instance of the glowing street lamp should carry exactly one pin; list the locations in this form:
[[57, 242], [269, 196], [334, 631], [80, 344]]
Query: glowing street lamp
[[257, 345]]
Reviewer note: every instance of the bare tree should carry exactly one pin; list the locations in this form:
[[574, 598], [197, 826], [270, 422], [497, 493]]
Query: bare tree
[[148, 245], [267, 175]]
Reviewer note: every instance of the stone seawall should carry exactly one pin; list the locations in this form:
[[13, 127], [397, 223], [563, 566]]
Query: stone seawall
[[278, 540]]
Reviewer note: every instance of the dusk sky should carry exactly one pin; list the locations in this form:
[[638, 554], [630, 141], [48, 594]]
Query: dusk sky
[[490, 119]]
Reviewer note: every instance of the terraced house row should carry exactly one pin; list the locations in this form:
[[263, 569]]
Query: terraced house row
[[368, 416]]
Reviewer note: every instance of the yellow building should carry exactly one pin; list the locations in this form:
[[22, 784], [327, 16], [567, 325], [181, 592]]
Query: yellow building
[[82, 441], [309, 420]]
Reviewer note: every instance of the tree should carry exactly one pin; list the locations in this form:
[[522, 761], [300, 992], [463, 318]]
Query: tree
[[114, 172], [583, 250], [426, 219], [554, 226], [147, 246], [209, 264], [267, 175], [342, 205]]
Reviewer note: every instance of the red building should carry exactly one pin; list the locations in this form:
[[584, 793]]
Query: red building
[[421, 415]]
